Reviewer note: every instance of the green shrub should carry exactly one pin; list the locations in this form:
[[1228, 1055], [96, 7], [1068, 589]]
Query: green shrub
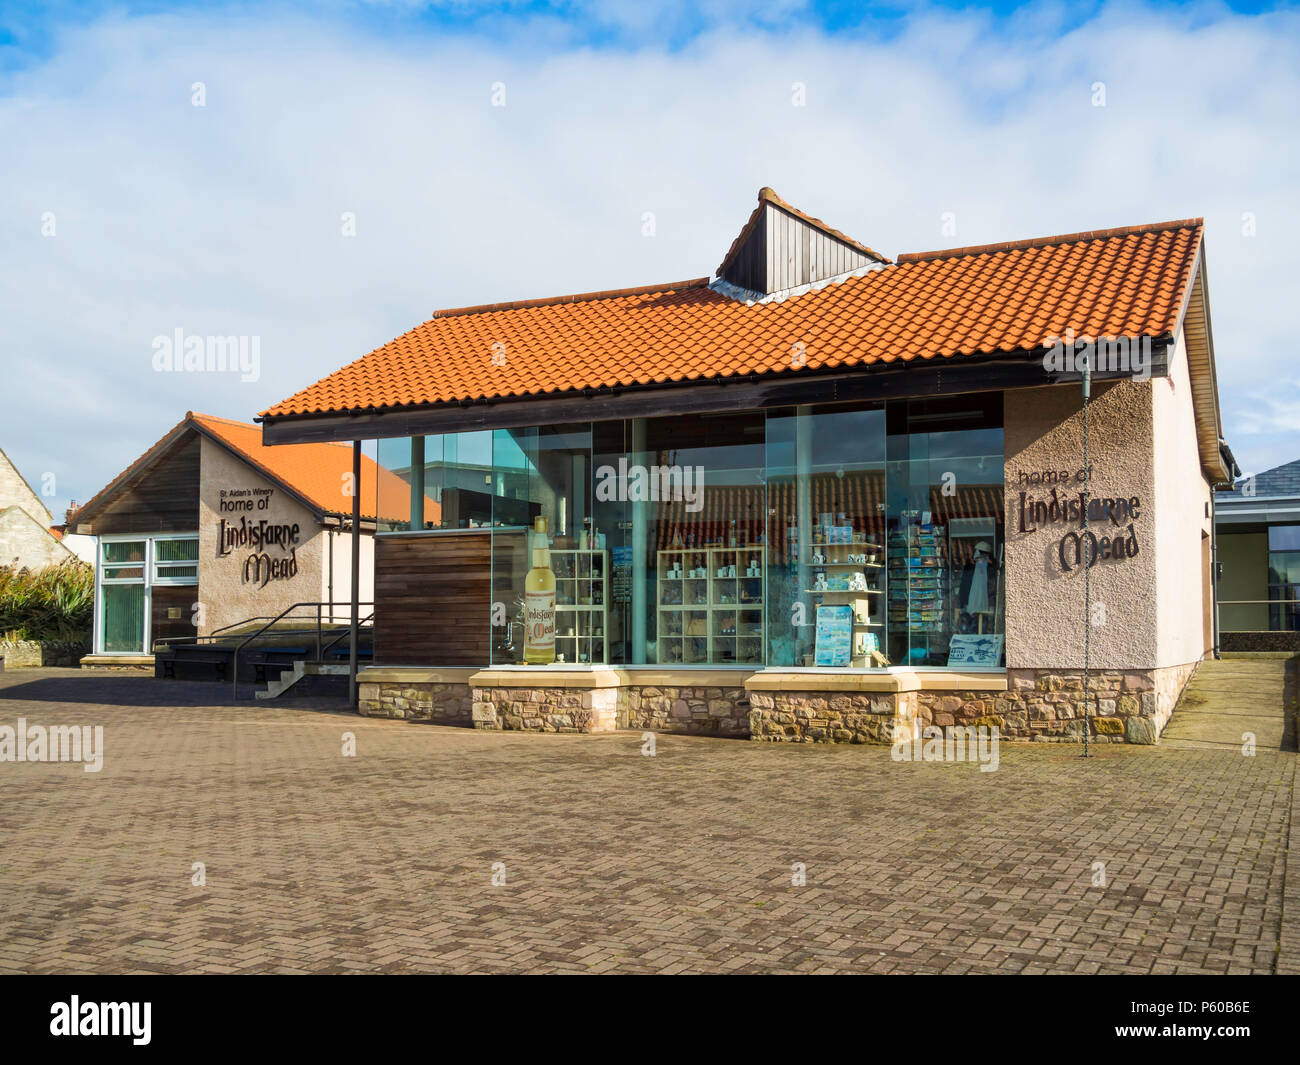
[[55, 603]]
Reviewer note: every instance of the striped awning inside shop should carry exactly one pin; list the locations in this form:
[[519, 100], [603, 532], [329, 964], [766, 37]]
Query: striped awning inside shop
[[858, 495]]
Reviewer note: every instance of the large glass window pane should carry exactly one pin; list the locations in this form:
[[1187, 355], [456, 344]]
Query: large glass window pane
[[545, 473], [1284, 538], [826, 531], [695, 485], [462, 478], [176, 561], [945, 545], [122, 560], [611, 517], [1284, 577], [454, 472]]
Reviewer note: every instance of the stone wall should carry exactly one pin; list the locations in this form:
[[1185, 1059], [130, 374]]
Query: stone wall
[[831, 717], [19, 654], [436, 703], [1259, 641], [546, 709], [1047, 705], [706, 711], [25, 543], [1043, 705], [118, 664]]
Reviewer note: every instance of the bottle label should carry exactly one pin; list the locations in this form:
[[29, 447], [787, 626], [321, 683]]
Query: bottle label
[[539, 626]]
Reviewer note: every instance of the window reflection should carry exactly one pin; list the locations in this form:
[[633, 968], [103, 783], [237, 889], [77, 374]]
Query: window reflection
[[840, 535]]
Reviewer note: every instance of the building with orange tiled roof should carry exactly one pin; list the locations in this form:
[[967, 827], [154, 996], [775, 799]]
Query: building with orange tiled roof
[[210, 528], [820, 494]]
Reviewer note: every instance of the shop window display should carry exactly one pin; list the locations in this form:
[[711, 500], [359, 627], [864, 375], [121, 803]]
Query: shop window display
[[836, 535], [944, 477]]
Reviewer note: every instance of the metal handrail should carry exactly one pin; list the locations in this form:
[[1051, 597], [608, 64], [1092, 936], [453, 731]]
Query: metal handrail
[[234, 665], [320, 651], [1282, 615], [215, 634]]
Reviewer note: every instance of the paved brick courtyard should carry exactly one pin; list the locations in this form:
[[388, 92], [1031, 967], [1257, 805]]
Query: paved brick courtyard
[[615, 861]]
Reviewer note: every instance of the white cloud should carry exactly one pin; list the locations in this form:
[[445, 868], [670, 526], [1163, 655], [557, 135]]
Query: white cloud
[[226, 219]]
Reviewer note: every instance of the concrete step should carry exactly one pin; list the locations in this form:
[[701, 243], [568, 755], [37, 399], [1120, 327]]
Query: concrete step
[[290, 677]]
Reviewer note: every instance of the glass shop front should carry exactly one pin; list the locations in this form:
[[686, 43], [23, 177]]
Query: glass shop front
[[854, 536]]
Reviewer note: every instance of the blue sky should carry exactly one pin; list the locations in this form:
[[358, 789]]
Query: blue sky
[[27, 31], [224, 219]]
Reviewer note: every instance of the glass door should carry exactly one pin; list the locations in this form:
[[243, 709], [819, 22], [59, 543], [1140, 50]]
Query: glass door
[[122, 596]]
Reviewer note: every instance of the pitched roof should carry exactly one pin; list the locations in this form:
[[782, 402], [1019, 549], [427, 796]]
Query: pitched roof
[[20, 493], [316, 471], [1281, 480], [990, 300], [39, 545], [312, 472]]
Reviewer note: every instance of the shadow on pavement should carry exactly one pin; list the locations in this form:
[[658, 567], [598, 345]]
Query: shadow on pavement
[[114, 689]]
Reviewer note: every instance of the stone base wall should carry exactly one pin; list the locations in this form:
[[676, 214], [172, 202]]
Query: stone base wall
[[1259, 641], [944, 709], [1126, 706], [1169, 683], [21, 654], [546, 709], [438, 704], [832, 717], [1043, 705], [95, 668], [701, 711]]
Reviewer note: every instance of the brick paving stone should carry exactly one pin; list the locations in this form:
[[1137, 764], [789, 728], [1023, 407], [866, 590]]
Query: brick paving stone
[[616, 862]]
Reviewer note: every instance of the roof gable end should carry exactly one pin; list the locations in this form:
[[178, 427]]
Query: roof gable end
[[781, 248]]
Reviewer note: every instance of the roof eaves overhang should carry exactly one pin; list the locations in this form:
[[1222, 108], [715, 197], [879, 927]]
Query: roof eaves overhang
[[915, 378], [85, 514], [1198, 340]]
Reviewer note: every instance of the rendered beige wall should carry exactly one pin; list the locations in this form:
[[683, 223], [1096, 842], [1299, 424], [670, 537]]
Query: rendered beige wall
[[1182, 518], [1045, 606], [225, 596]]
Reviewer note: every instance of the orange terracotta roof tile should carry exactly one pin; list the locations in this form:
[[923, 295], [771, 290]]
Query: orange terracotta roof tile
[[990, 300], [316, 472]]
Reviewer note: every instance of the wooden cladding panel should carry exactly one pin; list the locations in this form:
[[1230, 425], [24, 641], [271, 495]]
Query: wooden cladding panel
[[433, 597], [164, 499], [782, 252], [172, 598], [749, 267], [799, 254]]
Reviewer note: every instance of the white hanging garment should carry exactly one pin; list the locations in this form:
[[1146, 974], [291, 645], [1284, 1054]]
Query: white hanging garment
[[978, 600]]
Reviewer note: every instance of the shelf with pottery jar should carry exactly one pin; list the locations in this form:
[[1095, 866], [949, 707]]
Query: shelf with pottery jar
[[581, 604], [828, 564], [710, 603]]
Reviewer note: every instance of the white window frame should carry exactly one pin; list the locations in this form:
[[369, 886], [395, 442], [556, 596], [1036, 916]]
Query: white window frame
[[149, 581], [172, 582]]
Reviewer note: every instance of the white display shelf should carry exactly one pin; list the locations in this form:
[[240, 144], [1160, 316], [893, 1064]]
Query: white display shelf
[[581, 628], [873, 600], [711, 619]]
